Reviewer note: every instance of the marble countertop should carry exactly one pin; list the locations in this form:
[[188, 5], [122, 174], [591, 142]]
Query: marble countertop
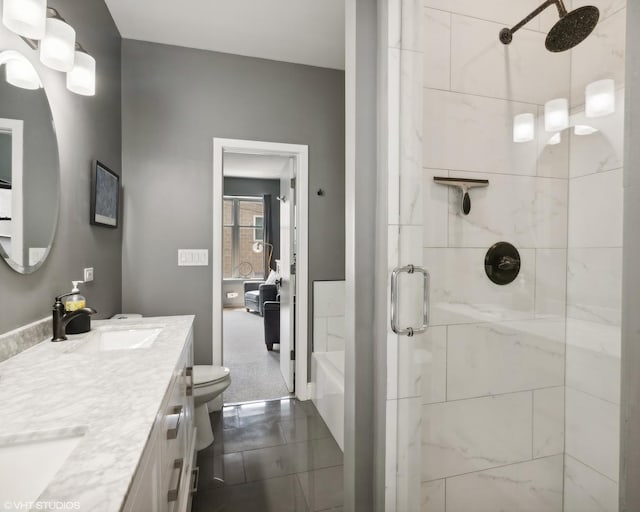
[[112, 397]]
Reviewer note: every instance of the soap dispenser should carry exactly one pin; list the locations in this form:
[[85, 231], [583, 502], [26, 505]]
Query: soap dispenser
[[77, 301]]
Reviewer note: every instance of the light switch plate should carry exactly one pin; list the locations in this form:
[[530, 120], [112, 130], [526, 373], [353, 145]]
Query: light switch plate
[[193, 257], [88, 274]]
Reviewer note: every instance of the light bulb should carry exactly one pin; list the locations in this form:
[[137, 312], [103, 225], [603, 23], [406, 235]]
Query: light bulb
[[20, 73], [26, 18], [523, 128], [82, 78], [600, 98], [583, 129], [555, 139], [556, 115], [57, 49]]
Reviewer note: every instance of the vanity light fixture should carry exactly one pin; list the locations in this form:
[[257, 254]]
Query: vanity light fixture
[[600, 98], [524, 128], [44, 29], [57, 48], [27, 18], [556, 115], [82, 78], [19, 72]]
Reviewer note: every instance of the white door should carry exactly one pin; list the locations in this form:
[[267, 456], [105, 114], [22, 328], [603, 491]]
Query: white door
[[287, 280]]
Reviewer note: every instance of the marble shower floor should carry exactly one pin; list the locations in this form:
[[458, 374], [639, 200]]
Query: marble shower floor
[[274, 456]]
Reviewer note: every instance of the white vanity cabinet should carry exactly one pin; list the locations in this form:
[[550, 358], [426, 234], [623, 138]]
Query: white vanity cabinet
[[166, 472]]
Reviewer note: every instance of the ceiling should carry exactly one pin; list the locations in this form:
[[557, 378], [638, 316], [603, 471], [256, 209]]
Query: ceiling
[[300, 31], [239, 165]]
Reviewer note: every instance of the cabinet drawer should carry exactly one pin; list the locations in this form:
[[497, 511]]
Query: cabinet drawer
[[164, 477]]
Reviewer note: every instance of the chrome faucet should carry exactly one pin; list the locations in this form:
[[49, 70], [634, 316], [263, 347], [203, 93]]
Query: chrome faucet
[[61, 318]]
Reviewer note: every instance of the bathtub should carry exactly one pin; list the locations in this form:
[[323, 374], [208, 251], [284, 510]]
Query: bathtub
[[327, 371]]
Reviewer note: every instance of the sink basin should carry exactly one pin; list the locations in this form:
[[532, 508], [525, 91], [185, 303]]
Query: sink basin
[[29, 462], [123, 338]]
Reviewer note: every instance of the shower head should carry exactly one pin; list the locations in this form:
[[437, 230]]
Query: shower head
[[572, 28]]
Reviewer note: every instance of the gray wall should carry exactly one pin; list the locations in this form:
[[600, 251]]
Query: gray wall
[[175, 101], [87, 128]]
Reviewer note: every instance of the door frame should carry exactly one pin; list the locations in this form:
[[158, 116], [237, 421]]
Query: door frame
[[300, 153], [16, 259]]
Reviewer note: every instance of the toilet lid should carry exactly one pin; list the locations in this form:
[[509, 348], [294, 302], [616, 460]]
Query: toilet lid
[[206, 374]]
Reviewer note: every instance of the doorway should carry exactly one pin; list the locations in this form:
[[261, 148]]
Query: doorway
[[260, 280]]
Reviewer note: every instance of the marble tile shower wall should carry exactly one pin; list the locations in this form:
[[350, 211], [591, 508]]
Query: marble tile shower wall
[[594, 278], [493, 379]]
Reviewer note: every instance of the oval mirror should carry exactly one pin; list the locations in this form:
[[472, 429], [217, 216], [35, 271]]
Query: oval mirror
[[29, 166]]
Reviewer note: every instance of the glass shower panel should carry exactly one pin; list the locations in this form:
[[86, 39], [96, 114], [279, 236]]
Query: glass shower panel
[[520, 381]]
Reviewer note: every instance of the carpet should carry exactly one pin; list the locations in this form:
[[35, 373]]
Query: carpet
[[255, 371]]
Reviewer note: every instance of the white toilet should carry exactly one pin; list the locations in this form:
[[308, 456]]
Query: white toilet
[[208, 382]]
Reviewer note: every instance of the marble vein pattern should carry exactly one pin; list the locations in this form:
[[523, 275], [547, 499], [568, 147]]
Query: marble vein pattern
[[587, 419], [462, 436], [472, 133], [593, 358], [601, 151], [491, 359], [530, 212], [482, 65], [548, 422], [503, 11], [553, 159], [594, 284], [411, 127], [596, 227], [586, 490], [437, 49], [599, 56], [14, 342], [532, 486], [433, 496], [607, 7], [435, 209], [469, 297], [113, 396], [433, 358], [551, 283]]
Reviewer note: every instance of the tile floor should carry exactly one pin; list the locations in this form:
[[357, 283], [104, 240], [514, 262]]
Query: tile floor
[[275, 456]]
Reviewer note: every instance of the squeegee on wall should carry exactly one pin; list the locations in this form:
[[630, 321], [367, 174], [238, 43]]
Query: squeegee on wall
[[464, 185]]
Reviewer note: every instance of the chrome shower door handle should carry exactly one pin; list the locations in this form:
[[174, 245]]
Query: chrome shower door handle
[[409, 331]]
